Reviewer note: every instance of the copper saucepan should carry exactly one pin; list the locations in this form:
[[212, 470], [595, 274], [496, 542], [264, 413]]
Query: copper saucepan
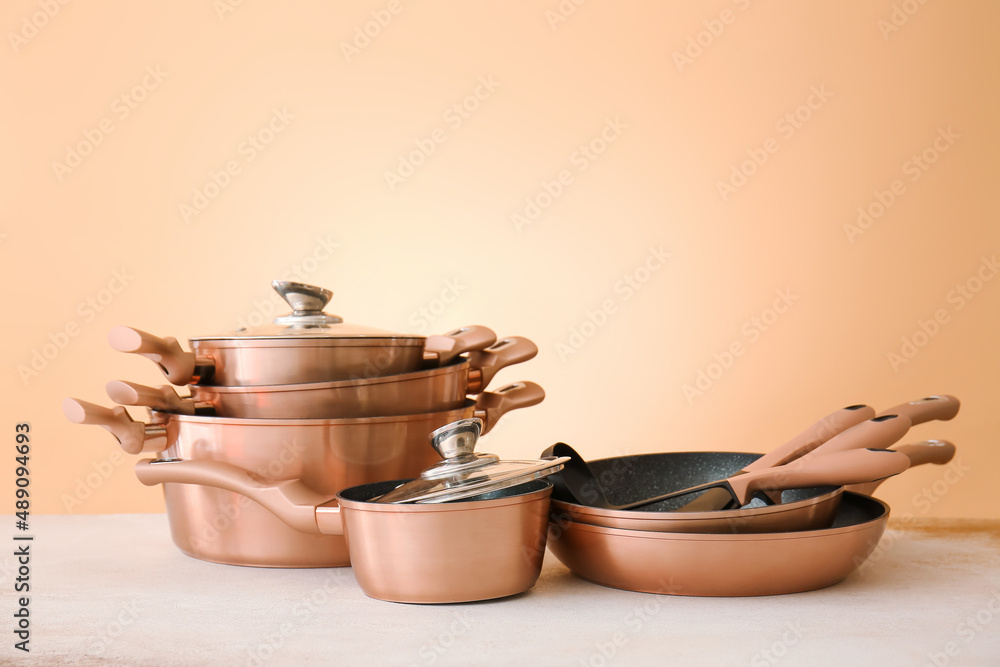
[[479, 548], [327, 455], [433, 390], [723, 565], [307, 345]]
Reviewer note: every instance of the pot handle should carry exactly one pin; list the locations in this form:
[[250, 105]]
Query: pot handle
[[164, 399], [937, 452], [446, 347], [829, 426], [942, 407], [492, 405], [484, 364], [292, 501], [134, 437], [179, 366], [855, 466]]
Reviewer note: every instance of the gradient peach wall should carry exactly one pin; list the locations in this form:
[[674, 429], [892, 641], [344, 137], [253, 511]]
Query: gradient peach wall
[[666, 120]]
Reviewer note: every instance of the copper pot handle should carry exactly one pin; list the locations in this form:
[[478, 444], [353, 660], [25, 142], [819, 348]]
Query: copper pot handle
[[164, 398], [134, 437], [492, 405], [937, 452], [485, 364], [292, 501], [941, 407], [446, 347], [180, 366]]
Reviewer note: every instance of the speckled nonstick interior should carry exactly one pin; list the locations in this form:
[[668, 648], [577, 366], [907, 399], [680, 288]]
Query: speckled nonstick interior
[[627, 479]]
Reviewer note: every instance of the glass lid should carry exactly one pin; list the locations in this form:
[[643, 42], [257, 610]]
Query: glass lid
[[463, 472]]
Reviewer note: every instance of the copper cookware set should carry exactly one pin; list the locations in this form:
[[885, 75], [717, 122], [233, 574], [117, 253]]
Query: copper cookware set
[[315, 443]]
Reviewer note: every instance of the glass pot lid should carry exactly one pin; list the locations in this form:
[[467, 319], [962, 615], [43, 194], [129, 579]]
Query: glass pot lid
[[464, 472], [307, 319]]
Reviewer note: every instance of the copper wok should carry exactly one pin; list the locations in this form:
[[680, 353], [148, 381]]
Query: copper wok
[[479, 548], [432, 390], [327, 455], [723, 565], [307, 345]]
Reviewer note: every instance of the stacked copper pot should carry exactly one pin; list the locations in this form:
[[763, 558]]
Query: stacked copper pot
[[308, 400]]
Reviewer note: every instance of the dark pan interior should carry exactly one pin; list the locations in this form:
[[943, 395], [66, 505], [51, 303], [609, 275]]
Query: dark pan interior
[[627, 479], [855, 509], [366, 492]]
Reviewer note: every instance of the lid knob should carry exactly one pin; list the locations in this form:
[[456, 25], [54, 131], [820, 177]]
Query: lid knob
[[307, 302], [457, 439]]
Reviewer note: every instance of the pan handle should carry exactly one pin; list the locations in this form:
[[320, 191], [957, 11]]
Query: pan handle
[[485, 364], [829, 426], [446, 347], [492, 405], [292, 501], [164, 398], [941, 407], [179, 366], [937, 452], [134, 437]]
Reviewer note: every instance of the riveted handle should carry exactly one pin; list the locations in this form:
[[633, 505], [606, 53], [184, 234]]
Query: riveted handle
[[180, 366], [134, 437], [164, 398]]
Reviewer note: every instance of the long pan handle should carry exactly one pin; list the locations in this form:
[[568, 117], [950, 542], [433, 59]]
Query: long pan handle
[[940, 407], [292, 502], [938, 452]]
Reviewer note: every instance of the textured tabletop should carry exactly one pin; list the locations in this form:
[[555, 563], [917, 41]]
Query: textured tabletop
[[113, 589]]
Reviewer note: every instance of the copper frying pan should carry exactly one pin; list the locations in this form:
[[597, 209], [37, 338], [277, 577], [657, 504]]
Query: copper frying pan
[[432, 390], [480, 548], [723, 565], [327, 455]]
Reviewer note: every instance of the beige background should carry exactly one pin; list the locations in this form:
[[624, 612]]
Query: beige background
[[199, 80]]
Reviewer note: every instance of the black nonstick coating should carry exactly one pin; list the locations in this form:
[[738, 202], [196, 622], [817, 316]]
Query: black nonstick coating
[[627, 479]]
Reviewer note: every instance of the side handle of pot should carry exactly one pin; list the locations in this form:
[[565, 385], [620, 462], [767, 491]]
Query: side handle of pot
[[134, 437], [446, 347], [180, 367], [492, 405], [484, 364], [291, 501], [164, 399]]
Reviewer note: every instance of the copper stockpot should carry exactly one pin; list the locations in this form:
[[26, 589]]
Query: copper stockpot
[[432, 390], [479, 548], [325, 455], [723, 565], [307, 345]]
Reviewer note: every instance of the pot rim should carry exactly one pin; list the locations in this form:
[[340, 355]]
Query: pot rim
[[455, 506]]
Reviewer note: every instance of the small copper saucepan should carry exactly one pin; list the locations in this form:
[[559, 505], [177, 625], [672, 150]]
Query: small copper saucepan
[[325, 455], [433, 390], [307, 345], [486, 543]]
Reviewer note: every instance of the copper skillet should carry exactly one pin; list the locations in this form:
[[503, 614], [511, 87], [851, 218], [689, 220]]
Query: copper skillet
[[723, 565], [327, 455], [628, 479], [432, 390]]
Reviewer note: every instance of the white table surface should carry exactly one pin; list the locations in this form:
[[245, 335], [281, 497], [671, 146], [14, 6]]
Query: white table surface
[[114, 590]]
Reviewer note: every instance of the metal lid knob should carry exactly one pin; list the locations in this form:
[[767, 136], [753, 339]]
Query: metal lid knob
[[307, 302]]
